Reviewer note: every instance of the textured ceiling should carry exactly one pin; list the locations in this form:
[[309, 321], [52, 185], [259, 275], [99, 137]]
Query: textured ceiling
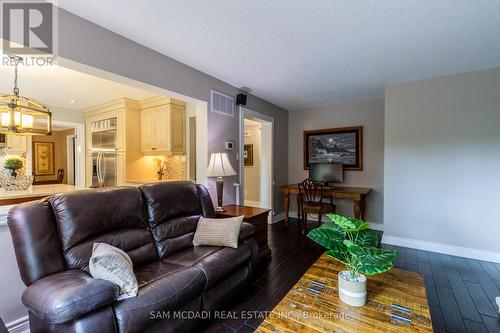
[[306, 53]]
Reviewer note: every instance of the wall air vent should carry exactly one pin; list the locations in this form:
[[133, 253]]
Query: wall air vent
[[222, 103]]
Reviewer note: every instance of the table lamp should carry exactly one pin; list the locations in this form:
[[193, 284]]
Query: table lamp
[[219, 167]]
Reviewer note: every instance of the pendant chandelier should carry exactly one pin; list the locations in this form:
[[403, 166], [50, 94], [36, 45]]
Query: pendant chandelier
[[22, 115]]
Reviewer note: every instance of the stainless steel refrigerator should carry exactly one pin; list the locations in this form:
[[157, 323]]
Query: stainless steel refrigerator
[[104, 153]]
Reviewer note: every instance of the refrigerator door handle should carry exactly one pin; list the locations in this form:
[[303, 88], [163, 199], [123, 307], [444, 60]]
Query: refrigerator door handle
[[99, 163], [99, 167], [103, 169]]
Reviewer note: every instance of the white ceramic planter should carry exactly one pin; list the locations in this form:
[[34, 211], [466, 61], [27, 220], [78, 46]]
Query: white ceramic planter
[[352, 292]]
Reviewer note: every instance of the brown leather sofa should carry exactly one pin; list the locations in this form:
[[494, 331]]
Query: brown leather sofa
[[155, 225]]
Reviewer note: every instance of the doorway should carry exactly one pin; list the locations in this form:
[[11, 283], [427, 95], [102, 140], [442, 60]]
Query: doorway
[[257, 159], [67, 140]]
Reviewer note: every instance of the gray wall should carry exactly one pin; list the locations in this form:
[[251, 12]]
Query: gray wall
[[86, 43], [369, 114], [442, 160]]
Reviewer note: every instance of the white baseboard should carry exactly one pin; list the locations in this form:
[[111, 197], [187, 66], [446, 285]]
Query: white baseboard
[[20, 325], [374, 226], [278, 217], [453, 250]]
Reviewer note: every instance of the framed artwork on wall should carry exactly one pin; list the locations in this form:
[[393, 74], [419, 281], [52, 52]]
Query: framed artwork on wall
[[248, 155], [43, 158], [335, 145]]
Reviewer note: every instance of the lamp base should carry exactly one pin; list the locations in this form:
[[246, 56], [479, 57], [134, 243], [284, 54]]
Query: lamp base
[[220, 210], [220, 190]]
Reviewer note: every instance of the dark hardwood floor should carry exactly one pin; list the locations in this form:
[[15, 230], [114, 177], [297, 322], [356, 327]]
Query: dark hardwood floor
[[461, 292]]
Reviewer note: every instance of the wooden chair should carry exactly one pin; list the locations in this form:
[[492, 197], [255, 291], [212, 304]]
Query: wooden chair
[[58, 180], [60, 176], [311, 201]]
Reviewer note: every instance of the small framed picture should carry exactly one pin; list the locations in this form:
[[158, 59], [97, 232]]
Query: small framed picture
[[43, 161], [248, 155]]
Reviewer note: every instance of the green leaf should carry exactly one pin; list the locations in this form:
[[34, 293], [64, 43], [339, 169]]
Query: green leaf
[[367, 238], [342, 257], [348, 224], [328, 238], [374, 261], [333, 226], [348, 243]]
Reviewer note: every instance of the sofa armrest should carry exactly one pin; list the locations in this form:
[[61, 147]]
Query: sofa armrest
[[247, 231], [65, 296]]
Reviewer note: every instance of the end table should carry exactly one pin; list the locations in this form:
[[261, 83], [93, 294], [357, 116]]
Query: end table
[[255, 216]]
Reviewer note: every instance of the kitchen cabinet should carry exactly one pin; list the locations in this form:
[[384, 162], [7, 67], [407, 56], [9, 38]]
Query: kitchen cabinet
[[163, 127], [15, 144], [127, 146]]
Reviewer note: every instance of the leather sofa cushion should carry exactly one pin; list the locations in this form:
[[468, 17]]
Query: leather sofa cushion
[[111, 215], [36, 240], [247, 230], [173, 211], [175, 234], [216, 263], [65, 296], [165, 201], [162, 287]]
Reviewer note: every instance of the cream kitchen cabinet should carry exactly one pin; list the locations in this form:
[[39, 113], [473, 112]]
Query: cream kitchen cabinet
[[163, 127], [15, 144], [127, 146]]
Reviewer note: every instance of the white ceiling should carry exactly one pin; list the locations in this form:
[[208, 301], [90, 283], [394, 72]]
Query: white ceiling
[[305, 53], [58, 86]]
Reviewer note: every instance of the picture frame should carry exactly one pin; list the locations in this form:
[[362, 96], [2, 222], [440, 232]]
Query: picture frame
[[335, 145], [248, 155], [43, 158]]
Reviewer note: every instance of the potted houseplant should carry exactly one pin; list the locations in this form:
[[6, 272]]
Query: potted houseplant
[[13, 164], [350, 242], [160, 166]]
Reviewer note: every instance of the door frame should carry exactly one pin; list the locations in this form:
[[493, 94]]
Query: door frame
[[79, 150], [70, 148], [243, 111]]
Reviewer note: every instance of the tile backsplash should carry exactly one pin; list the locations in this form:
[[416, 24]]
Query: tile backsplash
[[175, 167]]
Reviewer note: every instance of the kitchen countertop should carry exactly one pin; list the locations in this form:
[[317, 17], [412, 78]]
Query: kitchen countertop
[[135, 182], [35, 192]]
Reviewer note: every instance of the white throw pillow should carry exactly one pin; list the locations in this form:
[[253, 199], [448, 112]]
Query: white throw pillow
[[218, 232], [112, 264]]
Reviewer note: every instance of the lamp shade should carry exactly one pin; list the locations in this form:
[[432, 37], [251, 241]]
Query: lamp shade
[[220, 166]]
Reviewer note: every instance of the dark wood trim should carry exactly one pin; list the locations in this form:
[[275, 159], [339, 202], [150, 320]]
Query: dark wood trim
[[15, 201], [359, 153]]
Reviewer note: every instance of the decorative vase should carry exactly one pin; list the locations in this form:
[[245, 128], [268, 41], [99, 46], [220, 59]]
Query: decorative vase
[[160, 176], [13, 172], [352, 291]]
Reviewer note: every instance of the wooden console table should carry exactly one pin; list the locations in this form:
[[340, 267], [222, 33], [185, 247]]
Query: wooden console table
[[321, 310], [255, 216], [356, 194]]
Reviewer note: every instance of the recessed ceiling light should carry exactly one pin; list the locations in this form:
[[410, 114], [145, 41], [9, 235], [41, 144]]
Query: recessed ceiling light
[[72, 101]]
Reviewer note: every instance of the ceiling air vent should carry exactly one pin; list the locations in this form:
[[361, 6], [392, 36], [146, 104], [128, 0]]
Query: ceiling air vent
[[222, 103]]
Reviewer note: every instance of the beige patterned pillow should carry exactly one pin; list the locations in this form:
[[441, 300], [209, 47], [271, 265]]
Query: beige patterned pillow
[[112, 264], [218, 232]]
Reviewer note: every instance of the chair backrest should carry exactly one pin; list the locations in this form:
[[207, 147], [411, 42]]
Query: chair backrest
[[311, 192], [60, 176]]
